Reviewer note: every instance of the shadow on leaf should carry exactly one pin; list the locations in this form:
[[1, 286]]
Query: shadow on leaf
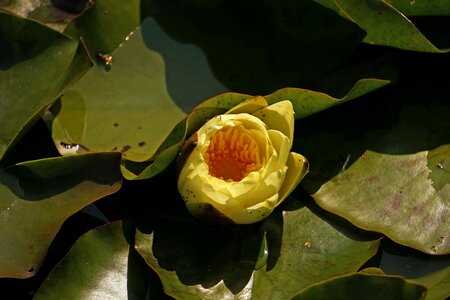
[[199, 252]]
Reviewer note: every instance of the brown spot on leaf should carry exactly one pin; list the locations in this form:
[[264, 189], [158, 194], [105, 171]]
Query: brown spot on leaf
[[32, 269], [116, 124], [141, 144], [125, 148], [372, 179], [392, 205]]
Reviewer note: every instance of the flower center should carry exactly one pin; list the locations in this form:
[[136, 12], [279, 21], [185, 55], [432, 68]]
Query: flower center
[[232, 154]]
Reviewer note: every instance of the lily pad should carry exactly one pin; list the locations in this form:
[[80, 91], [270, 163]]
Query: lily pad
[[37, 65], [38, 196], [56, 14], [421, 8], [394, 184], [105, 25], [307, 102], [384, 24], [433, 272], [367, 286], [100, 258], [117, 109], [107, 268], [199, 261], [414, 211]]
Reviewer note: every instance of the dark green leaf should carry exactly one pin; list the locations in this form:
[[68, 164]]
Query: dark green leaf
[[360, 285], [433, 272], [384, 24], [100, 260], [199, 261], [56, 14], [105, 25], [37, 65], [421, 8], [36, 197]]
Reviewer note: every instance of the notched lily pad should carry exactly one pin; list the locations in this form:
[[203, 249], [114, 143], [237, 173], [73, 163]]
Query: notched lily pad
[[119, 109], [397, 195]]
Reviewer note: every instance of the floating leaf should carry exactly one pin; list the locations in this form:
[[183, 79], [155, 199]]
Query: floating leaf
[[308, 102], [421, 8], [391, 180], [38, 196], [199, 261], [100, 258], [105, 25], [433, 272], [395, 197], [107, 268], [356, 285], [384, 24], [56, 14], [37, 65], [119, 108]]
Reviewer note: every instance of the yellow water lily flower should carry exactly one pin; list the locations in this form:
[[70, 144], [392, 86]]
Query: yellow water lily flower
[[239, 166]]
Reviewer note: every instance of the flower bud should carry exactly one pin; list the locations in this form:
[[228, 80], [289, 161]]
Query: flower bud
[[239, 166]]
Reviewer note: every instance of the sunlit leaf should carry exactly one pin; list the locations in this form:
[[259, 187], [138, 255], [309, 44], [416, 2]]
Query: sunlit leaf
[[117, 107], [392, 180], [37, 65], [36, 197]]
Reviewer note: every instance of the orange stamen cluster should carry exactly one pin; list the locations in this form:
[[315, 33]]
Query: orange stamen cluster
[[232, 154]]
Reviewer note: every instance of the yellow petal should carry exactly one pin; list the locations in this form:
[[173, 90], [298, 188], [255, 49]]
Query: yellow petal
[[298, 167], [279, 116]]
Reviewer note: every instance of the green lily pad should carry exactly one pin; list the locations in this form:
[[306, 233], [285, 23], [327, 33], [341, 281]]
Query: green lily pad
[[438, 284], [433, 272], [308, 102], [199, 261], [38, 196], [118, 109], [367, 286], [56, 14], [105, 25], [384, 24], [421, 8], [106, 268], [100, 258], [37, 65], [256, 48], [412, 211], [394, 181]]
